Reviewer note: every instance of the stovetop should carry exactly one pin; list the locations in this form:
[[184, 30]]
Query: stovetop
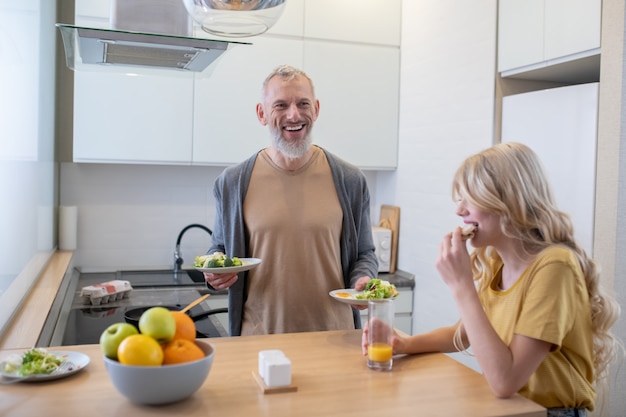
[[85, 322]]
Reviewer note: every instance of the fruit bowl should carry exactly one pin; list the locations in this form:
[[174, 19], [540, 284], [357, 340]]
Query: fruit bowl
[[152, 385]]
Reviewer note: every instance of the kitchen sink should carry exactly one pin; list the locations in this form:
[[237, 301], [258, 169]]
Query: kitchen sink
[[161, 277]]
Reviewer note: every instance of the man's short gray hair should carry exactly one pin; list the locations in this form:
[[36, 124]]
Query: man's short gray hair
[[286, 72]]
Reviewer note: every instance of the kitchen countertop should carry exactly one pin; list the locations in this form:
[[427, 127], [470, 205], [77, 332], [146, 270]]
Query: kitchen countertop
[[328, 369], [29, 321]]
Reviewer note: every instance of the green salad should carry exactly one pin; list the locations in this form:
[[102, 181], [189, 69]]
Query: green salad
[[377, 288], [36, 361], [216, 260]]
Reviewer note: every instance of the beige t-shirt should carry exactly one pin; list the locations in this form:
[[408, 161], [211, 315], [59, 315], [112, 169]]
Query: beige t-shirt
[[293, 219]]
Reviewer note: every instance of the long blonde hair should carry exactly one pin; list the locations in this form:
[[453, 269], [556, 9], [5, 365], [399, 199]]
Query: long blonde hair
[[509, 180]]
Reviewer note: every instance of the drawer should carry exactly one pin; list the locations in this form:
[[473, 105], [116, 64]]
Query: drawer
[[404, 301]]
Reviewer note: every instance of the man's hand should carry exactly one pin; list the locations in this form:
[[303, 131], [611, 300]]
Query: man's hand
[[220, 281], [360, 286]]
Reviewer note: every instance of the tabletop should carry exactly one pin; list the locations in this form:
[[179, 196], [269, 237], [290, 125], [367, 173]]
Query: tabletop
[[328, 369]]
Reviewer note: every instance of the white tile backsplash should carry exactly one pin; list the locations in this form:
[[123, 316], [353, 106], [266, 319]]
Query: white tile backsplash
[[130, 215]]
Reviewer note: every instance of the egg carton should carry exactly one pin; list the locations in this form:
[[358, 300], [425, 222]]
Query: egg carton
[[106, 292]]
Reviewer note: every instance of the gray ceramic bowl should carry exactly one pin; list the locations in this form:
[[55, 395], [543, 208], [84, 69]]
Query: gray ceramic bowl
[[151, 385]]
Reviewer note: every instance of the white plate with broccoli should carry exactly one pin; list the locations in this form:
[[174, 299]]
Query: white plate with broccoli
[[220, 267], [37, 364]]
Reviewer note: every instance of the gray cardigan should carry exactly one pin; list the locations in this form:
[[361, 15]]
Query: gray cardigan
[[357, 247]]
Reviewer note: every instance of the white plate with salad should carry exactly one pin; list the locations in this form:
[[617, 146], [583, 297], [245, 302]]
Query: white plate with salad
[[202, 264], [375, 289], [38, 364]]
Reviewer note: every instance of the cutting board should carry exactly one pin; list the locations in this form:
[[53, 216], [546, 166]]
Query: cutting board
[[390, 219]]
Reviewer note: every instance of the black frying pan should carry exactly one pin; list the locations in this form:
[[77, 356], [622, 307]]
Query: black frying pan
[[132, 315]]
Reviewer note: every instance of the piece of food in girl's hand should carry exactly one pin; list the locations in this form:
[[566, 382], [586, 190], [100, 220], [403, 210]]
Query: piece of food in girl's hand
[[468, 231], [376, 289], [216, 260]]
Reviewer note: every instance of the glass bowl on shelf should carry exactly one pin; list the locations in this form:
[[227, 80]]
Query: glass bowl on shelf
[[235, 18]]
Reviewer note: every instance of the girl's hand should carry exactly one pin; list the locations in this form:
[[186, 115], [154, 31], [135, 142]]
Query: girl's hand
[[398, 342], [453, 261]]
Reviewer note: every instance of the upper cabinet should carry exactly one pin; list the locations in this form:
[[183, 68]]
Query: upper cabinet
[[359, 103], [370, 22], [121, 117], [551, 40], [350, 48]]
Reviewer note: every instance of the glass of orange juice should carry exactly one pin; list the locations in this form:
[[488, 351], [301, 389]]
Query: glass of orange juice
[[380, 331]]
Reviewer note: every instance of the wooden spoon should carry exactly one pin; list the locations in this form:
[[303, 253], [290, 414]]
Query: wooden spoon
[[195, 303]]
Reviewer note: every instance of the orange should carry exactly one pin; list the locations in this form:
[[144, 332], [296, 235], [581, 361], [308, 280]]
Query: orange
[[185, 327], [181, 351], [140, 350]]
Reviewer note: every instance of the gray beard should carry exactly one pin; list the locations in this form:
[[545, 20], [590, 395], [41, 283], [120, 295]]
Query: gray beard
[[289, 149]]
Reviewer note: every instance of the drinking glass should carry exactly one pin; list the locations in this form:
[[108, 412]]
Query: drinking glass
[[380, 324]]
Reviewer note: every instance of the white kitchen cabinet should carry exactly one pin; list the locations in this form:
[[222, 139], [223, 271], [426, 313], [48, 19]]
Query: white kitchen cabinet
[[403, 314], [560, 125], [520, 33], [358, 88], [132, 118], [540, 33], [225, 126], [369, 22]]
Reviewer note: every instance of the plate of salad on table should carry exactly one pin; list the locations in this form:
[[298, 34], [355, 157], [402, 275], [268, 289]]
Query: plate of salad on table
[[39, 364]]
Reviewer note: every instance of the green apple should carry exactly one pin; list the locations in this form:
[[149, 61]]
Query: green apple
[[113, 335], [158, 323]]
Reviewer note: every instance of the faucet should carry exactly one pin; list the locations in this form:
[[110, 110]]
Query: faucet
[[178, 260]]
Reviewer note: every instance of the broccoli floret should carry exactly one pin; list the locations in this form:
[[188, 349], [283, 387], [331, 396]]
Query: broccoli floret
[[228, 262], [237, 261], [213, 263]]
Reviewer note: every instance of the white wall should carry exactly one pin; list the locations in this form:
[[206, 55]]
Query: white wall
[[447, 113], [130, 215]]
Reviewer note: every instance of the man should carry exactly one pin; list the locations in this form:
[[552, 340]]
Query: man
[[300, 209]]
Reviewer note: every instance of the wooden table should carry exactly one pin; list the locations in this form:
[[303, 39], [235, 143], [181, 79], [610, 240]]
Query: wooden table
[[327, 367]]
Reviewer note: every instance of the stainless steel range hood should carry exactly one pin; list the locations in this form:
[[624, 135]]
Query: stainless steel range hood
[[141, 33], [88, 46]]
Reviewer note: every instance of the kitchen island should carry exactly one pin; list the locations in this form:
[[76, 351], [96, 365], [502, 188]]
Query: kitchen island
[[328, 369]]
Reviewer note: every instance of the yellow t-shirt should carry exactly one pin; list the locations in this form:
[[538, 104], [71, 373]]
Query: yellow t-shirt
[[549, 302]]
